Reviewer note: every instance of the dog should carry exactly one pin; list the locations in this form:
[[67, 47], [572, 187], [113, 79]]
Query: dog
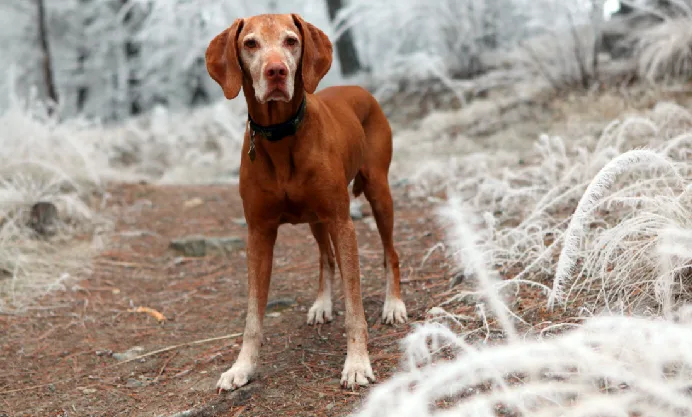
[[301, 152]]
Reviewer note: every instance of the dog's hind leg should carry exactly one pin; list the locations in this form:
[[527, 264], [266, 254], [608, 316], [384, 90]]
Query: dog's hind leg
[[321, 310], [377, 192]]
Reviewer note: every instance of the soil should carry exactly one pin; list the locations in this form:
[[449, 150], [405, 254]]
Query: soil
[[60, 358]]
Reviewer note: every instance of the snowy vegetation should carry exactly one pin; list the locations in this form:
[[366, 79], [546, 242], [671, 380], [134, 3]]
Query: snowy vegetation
[[597, 216]]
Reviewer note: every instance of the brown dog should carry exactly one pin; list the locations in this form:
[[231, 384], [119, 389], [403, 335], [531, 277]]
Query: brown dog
[[301, 152]]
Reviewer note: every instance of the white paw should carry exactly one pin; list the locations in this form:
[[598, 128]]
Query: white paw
[[357, 371], [239, 375], [320, 312], [394, 311]]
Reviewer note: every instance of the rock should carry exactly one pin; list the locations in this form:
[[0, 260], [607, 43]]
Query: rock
[[199, 246], [193, 203], [402, 182], [104, 352], [43, 218], [280, 304], [356, 211], [190, 246], [86, 390], [372, 225], [457, 279], [131, 353], [240, 221], [133, 383]]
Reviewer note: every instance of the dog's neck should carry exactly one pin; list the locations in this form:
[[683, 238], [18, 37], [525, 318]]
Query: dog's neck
[[272, 112]]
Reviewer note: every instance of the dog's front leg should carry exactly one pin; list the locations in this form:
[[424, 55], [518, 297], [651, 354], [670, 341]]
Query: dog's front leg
[[260, 251], [357, 369]]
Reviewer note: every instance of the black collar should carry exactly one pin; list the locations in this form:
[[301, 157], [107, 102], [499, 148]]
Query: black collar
[[275, 133]]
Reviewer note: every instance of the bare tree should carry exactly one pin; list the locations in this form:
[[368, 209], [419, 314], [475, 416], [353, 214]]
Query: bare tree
[[45, 50], [597, 23], [345, 48], [131, 20]]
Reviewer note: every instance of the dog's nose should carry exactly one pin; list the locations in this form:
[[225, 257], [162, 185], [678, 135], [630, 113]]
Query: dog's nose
[[276, 71]]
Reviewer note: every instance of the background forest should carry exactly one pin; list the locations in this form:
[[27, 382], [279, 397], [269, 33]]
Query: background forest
[[541, 176]]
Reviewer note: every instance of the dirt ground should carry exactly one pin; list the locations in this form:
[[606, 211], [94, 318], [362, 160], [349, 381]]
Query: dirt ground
[[61, 358]]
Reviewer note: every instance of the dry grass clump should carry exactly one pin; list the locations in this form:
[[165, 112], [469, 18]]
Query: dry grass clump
[[43, 160], [609, 366], [584, 215], [614, 220], [663, 51], [195, 146], [68, 162]]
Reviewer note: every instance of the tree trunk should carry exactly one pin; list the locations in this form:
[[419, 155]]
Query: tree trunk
[[47, 62], [82, 56], [345, 48], [597, 23], [132, 53]]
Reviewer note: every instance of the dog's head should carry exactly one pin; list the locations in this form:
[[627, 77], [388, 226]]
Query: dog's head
[[273, 52]]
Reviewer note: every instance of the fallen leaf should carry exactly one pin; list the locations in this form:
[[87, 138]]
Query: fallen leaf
[[150, 311], [193, 203]]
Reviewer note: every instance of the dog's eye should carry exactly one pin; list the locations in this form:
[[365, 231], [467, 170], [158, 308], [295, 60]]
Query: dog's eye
[[251, 43], [291, 41]]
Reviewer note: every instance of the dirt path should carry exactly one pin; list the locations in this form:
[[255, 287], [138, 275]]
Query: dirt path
[[65, 345]]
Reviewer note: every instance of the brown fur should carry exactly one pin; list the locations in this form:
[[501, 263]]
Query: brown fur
[[344, 137]]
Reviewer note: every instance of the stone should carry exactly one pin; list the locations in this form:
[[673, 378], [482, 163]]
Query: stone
[[280, 304], [195, 202], [200, 246], [131, 353], [133, 383], [372, 225], [457, 279], [85, 390], [240, 221], [43, 218], [356, 211]]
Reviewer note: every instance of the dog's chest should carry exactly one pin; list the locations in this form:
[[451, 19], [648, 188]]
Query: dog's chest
[[296, 211], [291, 185]]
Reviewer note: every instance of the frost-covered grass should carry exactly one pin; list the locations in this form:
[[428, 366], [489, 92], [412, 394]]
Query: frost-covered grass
[[197, 146], [605, 220], [663, 51], [586, 210], [70, 162], [609, 366], [612, 364], [43, 160]]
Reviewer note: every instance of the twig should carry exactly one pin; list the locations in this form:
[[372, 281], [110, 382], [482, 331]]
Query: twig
[[431, 277], [125, 264], [146, 355], [169, 348], [321, 393], [163, 367], [308, 368]]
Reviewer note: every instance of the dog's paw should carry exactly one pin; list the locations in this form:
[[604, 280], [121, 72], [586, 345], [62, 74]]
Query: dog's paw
[[394, 311], [239, 375], [320, 312], [357, 372]]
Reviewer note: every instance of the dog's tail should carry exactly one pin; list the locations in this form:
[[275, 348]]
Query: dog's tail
[[358, 185]]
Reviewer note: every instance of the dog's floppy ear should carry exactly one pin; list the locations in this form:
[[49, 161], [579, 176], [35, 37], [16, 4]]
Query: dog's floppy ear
[[317, 53], [222, 59]]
